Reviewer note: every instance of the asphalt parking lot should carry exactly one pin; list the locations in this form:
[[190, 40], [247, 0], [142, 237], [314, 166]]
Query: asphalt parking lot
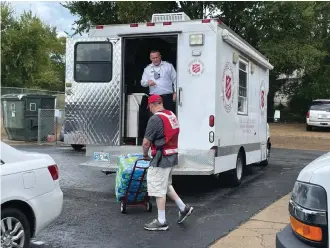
[[91, 216]]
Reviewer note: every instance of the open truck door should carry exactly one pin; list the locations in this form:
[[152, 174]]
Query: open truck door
[[93, 91]]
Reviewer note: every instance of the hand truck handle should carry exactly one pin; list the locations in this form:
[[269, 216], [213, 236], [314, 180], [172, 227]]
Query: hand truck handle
[[141, 159]]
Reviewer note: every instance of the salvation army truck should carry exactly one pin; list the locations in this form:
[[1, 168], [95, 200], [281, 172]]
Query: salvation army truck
[[222, 87]]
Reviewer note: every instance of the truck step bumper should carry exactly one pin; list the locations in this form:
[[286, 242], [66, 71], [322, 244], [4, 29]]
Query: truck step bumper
[[108, 168]]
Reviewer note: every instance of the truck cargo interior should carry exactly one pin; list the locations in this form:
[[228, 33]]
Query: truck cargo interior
[[136, 52]]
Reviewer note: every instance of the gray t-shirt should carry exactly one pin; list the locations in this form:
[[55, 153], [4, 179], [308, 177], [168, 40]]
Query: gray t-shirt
[[155, 133]]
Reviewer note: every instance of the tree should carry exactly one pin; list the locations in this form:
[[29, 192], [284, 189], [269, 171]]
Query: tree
[[30, 52], [315, 81], [8, 25], [92, 12], [103, 12]]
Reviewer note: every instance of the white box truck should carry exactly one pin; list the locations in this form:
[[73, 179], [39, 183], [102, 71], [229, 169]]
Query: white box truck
[[222, 87]]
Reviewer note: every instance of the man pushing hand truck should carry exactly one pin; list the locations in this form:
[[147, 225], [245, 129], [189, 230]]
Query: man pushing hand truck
[[161, 136]]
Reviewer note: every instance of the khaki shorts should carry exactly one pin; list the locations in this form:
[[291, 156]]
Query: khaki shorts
[[158, 181]]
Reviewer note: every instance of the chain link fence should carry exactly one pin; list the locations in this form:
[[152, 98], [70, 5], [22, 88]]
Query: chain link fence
[[50, 126]]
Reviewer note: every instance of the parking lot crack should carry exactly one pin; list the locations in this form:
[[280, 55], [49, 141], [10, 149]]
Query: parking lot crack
[[268, 221]]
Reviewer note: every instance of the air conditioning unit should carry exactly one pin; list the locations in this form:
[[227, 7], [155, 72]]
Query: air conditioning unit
[[170, 17]]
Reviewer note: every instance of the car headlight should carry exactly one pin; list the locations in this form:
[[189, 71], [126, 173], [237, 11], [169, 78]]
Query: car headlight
[[308, 210], [309, 196]]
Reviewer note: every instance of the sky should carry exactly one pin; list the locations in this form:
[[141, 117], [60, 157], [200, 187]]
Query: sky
[[50, 12]]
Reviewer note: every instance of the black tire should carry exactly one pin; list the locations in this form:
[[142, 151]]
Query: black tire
[[123, 207], [21, 217], [266, 162], [77, 147], [308, 128], [149, 206], [235, 179]]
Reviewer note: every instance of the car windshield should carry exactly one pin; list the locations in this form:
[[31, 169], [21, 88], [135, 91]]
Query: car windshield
[[325, 106]]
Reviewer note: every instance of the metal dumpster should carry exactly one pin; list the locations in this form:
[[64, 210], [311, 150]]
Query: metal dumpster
[[20, 114]]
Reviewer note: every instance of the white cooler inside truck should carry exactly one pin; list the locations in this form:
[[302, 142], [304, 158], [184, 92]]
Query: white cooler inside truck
[[133, 105]]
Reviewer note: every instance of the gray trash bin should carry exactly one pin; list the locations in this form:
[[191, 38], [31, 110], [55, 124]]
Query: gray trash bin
[[20, 115]]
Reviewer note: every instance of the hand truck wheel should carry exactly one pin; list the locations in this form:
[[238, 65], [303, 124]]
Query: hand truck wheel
[[122, 206], [148, 206]]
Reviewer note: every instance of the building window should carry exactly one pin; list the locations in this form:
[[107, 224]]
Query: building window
[[93, 62], [242, 88]]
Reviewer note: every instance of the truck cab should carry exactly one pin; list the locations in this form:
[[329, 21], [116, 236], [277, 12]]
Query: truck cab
[[309, 208]]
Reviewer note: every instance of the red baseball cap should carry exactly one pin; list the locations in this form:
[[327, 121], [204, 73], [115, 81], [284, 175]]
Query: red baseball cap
[[155, 98]]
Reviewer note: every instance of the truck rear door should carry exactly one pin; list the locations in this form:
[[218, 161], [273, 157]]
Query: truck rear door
[[93, 91]]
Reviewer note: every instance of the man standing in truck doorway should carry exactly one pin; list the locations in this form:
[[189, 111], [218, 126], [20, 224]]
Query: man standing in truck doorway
[[161, 136], [160, 77]]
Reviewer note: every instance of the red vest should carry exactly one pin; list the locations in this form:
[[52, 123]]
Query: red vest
[[171, 133]]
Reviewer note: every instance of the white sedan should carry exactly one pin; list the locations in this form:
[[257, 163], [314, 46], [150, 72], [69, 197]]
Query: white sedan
[[31, 197]]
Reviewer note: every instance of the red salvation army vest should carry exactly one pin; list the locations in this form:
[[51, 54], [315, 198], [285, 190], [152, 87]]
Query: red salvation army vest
[[171, 133]]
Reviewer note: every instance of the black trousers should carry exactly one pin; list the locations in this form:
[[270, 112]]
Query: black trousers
[[145, 114], [168, 102]]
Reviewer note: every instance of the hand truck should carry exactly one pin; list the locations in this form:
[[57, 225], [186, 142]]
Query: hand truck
[[124, 202]]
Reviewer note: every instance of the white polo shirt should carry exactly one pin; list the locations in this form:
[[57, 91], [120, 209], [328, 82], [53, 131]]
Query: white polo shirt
[[166, 81]]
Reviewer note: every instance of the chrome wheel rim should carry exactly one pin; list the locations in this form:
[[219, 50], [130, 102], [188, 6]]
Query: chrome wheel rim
[[12, 233], [239, 168]]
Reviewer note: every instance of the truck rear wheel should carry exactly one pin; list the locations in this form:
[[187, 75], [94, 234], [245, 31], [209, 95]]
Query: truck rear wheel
[[266, 161], [77, 147]]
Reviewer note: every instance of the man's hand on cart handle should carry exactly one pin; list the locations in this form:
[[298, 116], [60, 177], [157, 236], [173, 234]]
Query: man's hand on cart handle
[[146, 157]]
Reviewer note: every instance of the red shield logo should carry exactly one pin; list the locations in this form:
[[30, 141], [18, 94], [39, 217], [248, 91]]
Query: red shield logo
[[262, 99], [196, 68], [228, 87]]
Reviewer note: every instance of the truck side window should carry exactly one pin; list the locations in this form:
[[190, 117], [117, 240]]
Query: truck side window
[[242, 91], [93, 62]]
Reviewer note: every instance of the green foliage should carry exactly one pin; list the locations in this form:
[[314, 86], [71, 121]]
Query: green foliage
[[315, 82], [103, 12], [31, 53], [131, 12], [92, 12]]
